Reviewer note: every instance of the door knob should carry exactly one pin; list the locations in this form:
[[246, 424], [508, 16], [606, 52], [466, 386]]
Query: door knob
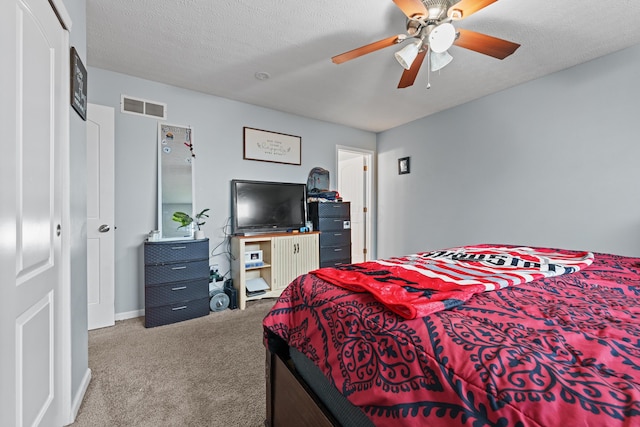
[[103, 228]]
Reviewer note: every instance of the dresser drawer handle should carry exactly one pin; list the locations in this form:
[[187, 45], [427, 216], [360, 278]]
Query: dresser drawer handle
[[179, 288], [338, 250], [179, 308], [178, 247], [179, 268], [337, 234]]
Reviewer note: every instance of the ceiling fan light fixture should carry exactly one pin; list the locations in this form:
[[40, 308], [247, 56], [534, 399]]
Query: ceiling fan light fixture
[[413, 27], [435, 12], [441, 38], [430, 27], [407, 54], [438, 8], [455, 14], [439, 60]]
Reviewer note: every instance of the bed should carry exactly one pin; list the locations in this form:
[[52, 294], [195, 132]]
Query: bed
[[557, 350]]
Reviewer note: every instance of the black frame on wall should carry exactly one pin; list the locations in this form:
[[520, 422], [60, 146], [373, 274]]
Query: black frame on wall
[[78, 84], [404, 165]]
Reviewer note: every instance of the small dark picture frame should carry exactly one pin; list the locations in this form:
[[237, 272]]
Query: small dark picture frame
[[78, 84], [404, 165]]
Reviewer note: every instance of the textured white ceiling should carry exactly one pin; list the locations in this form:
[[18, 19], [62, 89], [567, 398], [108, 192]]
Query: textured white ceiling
[[216, 47]]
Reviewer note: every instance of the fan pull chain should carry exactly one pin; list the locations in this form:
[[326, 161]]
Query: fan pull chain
[[428, 68]]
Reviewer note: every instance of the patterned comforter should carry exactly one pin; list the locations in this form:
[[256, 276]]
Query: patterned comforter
[[557, 351]]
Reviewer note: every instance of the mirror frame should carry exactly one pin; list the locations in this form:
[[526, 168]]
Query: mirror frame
[[189, 131]]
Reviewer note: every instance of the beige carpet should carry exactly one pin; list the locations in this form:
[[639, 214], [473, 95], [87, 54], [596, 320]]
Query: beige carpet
[[203, 372]]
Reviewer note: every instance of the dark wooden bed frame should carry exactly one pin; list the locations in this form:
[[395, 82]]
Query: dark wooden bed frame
[[290, 401]]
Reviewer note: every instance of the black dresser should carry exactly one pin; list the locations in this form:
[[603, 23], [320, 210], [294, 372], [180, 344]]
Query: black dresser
[[176, 281], [333, 221]]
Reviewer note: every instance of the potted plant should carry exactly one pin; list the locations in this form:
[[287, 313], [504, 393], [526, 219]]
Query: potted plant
[[185, 220]]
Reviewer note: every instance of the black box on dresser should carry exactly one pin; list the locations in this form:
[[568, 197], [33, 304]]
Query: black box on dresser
[[333, 220], [176, 281]]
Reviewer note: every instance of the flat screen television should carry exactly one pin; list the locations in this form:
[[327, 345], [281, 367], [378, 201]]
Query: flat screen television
[[263, 207]]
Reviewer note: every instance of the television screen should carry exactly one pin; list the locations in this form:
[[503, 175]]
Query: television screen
[[260, 206]]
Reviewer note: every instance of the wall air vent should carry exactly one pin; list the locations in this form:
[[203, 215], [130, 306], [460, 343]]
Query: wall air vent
[[143, 107]]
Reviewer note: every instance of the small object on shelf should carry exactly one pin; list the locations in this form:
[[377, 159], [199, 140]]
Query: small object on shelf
[[255, 293], [257, 284], [253, 259]]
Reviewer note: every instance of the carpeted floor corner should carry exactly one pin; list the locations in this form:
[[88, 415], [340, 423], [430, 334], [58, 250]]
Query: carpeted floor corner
[[202, 372]]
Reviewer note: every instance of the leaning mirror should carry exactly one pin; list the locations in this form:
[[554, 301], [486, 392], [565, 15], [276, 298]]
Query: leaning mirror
[[175, 179]]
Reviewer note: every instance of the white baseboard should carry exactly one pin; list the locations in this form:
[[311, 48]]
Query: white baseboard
[[129, 314], [79, 397]]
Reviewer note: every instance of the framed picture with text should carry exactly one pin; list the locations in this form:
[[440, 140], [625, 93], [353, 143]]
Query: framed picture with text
[[78, 85], [274, 147]]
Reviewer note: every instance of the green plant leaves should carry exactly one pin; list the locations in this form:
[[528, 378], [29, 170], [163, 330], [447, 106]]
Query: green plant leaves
[[183, 218], [186, 220]]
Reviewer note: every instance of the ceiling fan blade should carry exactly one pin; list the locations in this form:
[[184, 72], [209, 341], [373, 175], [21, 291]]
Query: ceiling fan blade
[[363, 50], [413, 8], [465, 8], [409, 76], [488, 45]]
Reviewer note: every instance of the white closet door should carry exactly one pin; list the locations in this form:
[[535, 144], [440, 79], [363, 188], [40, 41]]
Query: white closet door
[[34, 109]]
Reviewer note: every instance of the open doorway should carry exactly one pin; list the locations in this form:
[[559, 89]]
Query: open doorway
[[355, 185]]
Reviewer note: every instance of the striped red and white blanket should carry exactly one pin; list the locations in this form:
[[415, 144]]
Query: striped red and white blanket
[[424, 283]]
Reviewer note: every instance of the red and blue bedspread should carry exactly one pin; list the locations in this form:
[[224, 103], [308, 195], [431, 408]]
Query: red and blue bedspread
[[556, 351]]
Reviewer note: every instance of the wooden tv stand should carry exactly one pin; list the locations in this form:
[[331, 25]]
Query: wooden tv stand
[[283, 257]]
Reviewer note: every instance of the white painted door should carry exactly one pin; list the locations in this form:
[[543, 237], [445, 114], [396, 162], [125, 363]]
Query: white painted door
[[34, 108], [354, 183], [100, 216]]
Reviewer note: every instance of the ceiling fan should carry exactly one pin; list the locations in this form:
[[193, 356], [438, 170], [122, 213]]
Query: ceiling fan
[[429, 24]]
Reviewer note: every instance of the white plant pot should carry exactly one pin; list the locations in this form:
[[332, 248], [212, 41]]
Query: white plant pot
[[199, 234]]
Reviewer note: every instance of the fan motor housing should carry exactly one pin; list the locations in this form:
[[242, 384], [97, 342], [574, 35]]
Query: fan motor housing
[[219, 301]]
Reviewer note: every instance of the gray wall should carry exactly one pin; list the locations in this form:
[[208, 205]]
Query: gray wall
[[78, 212], [218, 133], [553, 162]]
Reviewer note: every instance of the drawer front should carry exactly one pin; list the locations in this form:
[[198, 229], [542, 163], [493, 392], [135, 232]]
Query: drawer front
[[331, 224], [176, 272], [335, 263], [335, 252], [175, 292], [330, 209], [163, 315], [335, 238], [176, 251]]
